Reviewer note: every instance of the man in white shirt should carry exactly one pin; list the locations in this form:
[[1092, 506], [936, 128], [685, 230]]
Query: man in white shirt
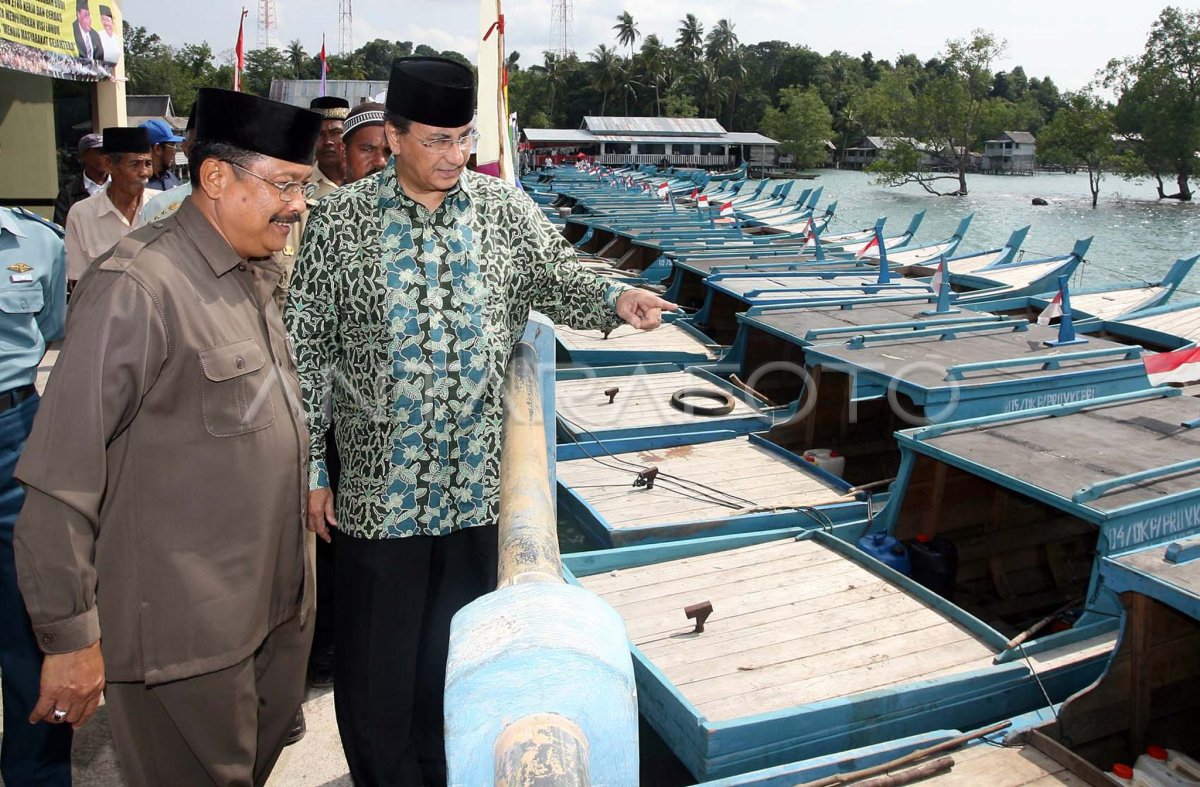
[[95, 224], [109, 40], [88, 182]]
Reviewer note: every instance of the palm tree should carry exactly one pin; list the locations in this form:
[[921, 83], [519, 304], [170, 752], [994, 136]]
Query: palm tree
[[606, 72], [627, 32], [734, 69], [654, 67], [711, 88], [721, 41], [296, 56], [555, 76], [691, 36]]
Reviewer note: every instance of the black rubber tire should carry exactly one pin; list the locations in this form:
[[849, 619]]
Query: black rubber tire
[[724, 408]]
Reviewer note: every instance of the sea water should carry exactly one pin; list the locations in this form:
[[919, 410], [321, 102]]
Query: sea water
[[1137, 236]]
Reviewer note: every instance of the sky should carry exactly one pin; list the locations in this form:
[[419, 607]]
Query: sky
[[1067, 40]]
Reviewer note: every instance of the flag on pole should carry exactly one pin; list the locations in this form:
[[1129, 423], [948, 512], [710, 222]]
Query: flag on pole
[[663, 190], [324, 66], [1178, 366], [239, 53], [938, 276], [727, 209], [702, 201], [871, 244], [808, 228], [695, 194], [1051, 311]]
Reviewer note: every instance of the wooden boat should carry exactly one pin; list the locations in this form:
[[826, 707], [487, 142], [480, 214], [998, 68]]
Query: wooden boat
[[729, 294], [1148, 694], [813, 646], [675, 341]]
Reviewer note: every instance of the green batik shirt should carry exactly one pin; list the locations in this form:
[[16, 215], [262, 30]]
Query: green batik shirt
[[405, 319]]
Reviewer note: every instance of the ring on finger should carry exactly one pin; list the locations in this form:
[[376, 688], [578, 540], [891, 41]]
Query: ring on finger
[[59, 714]]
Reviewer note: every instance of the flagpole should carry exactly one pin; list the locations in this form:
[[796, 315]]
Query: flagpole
[[239, 52], [324, 66], [1066, 326]]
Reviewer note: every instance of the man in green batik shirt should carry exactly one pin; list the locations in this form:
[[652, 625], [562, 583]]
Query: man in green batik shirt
[[411, 289]]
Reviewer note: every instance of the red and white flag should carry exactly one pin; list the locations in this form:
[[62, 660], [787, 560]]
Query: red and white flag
[[1051, 311], [871, 244], [808, 228], [727, 209], [239, 53], [324, 66], [938, 276], [1178, 366], [702, 201], [695, 193], [663, 190]]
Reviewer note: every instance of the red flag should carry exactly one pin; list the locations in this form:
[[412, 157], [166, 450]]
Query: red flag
[[324, 67], [873, 243], [727, 209], [695, 193], [1051, 311], [938, 276], [1178, 366], [703, 201], [664, 190], [239, 53]]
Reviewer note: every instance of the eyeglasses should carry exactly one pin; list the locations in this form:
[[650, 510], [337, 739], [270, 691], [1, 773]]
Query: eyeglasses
[[443, 144], [287, 191]]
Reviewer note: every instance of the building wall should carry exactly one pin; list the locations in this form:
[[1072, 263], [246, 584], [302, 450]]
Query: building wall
[[28, 164]]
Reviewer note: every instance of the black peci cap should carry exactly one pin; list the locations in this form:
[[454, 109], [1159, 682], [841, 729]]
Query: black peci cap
[[119, 139], [256, 124], [331, 107], [432, 90]]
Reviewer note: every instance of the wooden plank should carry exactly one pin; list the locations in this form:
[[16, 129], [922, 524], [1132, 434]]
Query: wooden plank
[[780, 615], [982, 764], [759, 653], [688, 566], [935, 652], [626, 338], [643, 400]]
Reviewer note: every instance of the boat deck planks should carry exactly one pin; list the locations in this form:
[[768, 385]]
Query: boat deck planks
[[1019, 275], [644, 400], [737, 467], [1061, 455], [1012, 766], [745, 284], [626, 338], [1109, 305], [811, 626], [923, 361], [1185, 322], [799, 321], [972, 262], [1150, 562]]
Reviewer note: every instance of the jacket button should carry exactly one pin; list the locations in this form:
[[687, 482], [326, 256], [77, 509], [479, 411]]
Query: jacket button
[[241, 363], [47, 639]]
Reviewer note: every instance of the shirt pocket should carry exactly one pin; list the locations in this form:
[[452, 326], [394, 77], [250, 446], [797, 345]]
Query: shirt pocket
[[236, 392], [20, 307]]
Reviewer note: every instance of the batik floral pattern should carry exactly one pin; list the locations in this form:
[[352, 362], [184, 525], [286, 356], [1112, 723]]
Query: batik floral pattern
[[404, 319]]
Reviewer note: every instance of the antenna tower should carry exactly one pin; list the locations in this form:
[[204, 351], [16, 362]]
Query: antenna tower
[[562, 15], [268, 23], [345, 25]]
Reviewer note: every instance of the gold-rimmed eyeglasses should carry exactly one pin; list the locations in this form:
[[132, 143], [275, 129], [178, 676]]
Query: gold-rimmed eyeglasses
[[444, 143], [287, 191]]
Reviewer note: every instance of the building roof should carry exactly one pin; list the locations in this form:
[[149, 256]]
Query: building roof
[[662, 127], [571, 136], [1020, 137], [299, 92], [884, 143]]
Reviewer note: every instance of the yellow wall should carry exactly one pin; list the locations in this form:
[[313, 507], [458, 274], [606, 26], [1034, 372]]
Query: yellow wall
[[28, 169]]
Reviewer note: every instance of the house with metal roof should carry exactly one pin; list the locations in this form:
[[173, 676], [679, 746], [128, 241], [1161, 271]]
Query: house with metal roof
[[1011, 152], [680, 142], [863, 154]]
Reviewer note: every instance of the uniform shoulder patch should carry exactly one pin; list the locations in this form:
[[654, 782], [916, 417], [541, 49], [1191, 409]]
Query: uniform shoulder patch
[[28, 214], [128, 247]]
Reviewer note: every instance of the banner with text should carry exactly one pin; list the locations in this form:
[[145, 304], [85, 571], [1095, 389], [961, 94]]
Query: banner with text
[[65, 39]]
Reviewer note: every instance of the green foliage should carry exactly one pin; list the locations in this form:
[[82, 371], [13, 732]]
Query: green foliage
[[678, 105], [1080, 134], [802, 125], [1159, 102]]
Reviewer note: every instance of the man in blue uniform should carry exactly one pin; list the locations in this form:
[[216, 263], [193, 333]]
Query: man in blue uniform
[[33, 307]]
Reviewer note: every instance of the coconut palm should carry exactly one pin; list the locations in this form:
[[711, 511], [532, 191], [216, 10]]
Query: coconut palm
[[606, 72], [627, 32], [654, 67], [711, 88], [555, 72], [721, 41], [691, 37], [296, 57]]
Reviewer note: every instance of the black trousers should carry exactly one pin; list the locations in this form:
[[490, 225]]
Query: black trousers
[[323, 649], [395, 601]]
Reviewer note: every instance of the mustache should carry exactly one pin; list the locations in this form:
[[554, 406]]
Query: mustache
[[286, 218]]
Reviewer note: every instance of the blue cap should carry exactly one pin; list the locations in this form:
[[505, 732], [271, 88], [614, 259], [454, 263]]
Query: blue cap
[[159, 131]]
